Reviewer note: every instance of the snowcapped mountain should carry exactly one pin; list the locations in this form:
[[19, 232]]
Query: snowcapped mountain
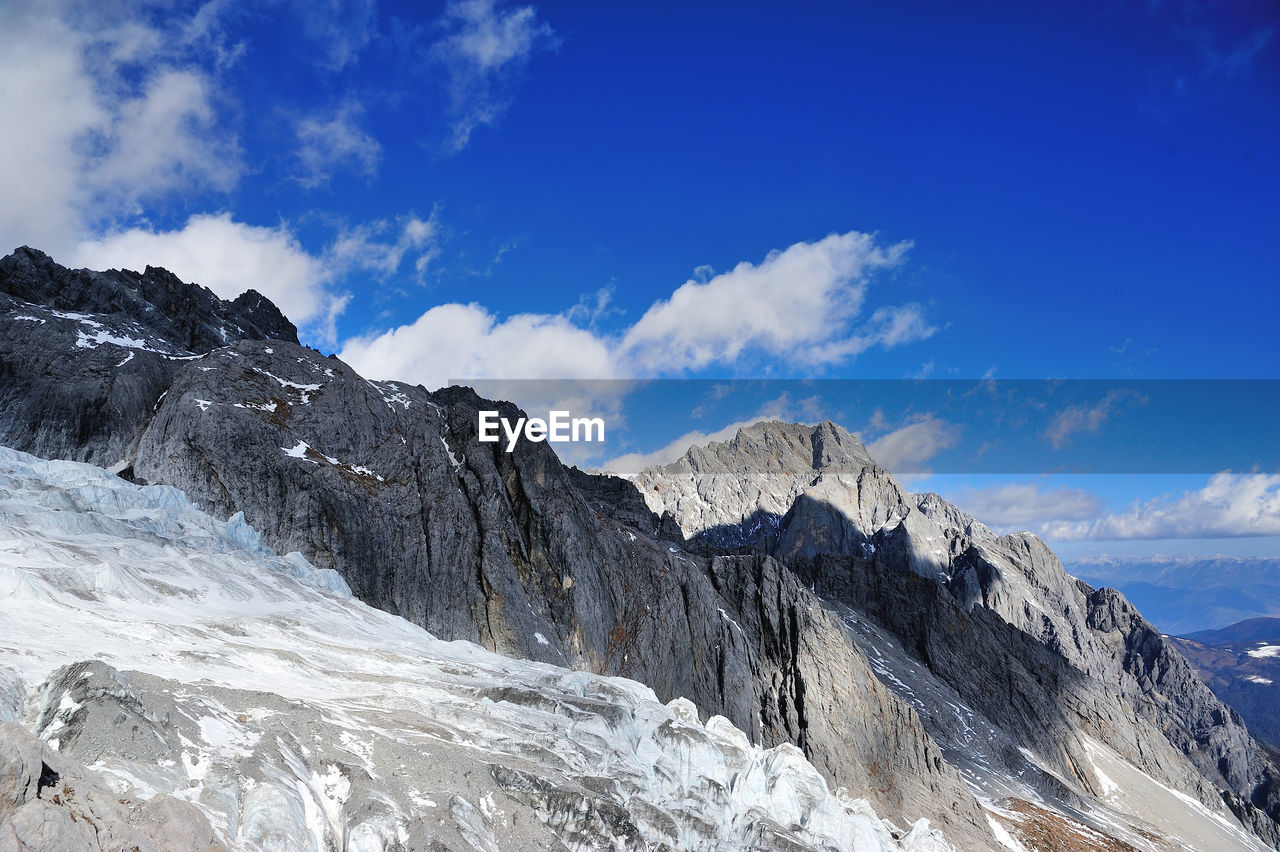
[[783, 581], [157, 651]]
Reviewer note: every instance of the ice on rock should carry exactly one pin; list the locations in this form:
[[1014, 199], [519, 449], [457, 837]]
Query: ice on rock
[[297, 718]]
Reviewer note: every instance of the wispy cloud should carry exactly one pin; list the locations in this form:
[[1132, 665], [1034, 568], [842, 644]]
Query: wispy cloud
[[1079, 419], [342, 29], [1231, 60], [384, 245], [1217, 51], [484, 51], [335, 141]]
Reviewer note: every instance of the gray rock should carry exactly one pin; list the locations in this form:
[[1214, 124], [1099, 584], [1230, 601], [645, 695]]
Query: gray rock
[[49, 801], [1075, 662], [84, 356], [42, 826], [171, 823], [20, 768]]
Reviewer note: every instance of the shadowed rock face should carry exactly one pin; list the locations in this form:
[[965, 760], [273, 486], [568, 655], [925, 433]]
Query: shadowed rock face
[[1074, 662], [387, 484]]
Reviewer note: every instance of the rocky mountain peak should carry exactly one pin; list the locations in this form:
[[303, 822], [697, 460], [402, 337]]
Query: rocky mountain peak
[[775, 447], [186, 316], [87, 355]]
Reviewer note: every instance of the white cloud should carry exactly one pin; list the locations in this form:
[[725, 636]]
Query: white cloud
[[113, 109], [888, 326], [484, 49], [907, 448], [48, 105], [226, 256], [166, 139], [1025, 505], [468, 342], [1079, 418], [103, 112], [332, 142], [1230, 505], [794, 303], [798, 302], [342, 28]]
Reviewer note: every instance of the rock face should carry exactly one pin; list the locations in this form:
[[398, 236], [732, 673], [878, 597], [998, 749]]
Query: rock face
[[782, 581], [268, 710], [1184, 594], [388, 485], [84, 356], [1080, 664]]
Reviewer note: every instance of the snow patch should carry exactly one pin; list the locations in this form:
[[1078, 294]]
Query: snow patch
[[304, 390], [299, 451], [1003, 837], [453, 460]]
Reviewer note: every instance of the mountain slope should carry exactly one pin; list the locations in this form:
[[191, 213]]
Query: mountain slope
[[1241, 663], [84, 356], [388, 485], [1185, 593], [811, 594], [1264, 631], [264, 708], [1078, 665]]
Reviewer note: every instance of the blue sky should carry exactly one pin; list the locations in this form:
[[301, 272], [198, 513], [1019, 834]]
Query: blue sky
[[499, 190]]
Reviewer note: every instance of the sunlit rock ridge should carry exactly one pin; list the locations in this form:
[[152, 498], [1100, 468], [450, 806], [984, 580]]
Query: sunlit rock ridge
[[907, 653]]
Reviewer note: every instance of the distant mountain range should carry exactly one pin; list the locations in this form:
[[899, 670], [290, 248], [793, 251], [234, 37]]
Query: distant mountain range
[[1241, 663], [884, 641], [1187, 593]]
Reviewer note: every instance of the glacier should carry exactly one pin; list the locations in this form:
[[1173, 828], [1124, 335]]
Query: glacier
[[171, 660]]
